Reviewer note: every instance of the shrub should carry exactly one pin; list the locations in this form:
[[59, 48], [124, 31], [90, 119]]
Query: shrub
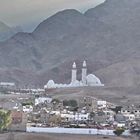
[[5, 119], [71, 103], [119, 131]]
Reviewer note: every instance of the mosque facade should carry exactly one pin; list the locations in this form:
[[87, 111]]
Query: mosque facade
[[86, 79]]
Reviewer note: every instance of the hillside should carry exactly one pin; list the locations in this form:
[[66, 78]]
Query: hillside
[[6, 32], [107, 36], [123, 96]]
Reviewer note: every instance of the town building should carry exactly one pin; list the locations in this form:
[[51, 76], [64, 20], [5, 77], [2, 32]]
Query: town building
[[43, 100], [27, 108], [131, 112], [7, 85], [19, 121], [75, 117], [16, 117]]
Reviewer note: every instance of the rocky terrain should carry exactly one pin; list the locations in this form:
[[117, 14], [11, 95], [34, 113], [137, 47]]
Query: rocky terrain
[[107, 36], [6, 32]]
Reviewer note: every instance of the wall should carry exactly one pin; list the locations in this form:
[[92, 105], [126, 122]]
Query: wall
[[73, 131]]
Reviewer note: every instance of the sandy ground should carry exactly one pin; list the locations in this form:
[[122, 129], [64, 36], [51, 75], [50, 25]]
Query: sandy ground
[[119, 96], [34, 136], [116, 95]]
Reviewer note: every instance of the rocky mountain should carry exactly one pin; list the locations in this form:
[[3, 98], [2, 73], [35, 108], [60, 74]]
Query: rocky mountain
[[106, 36], [6, 32]]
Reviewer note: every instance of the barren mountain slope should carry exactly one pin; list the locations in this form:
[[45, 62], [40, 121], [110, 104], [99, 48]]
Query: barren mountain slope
[[106, 36]]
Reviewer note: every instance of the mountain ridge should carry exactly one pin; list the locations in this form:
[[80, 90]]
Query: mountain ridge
[[97, 36], [6, 32]]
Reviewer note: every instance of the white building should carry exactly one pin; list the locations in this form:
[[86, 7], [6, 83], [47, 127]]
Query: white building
[[7, 85], [75, 117], [27, 109], [86, 80], [42, 100], [130, 117], [101, 104], [131, 113]]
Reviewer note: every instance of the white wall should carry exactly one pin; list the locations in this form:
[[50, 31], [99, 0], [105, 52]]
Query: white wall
[[73, 131]]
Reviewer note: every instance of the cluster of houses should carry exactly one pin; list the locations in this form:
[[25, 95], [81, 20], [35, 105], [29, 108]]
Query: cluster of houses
[[48, 112], [85, 112]]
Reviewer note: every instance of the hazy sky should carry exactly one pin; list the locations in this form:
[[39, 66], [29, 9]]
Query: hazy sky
[[29, 13]]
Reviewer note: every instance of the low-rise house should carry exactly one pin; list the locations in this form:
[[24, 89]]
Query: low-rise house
[[130, 117], [120, 118], [7, 85], [55, 112], [81, 117], [131, 112], [75, 117], [101, 104], [38, 117], [109, 112], [16, 117], [19, 121], [100, 118], [28, 108], [44, 117], [43, 100], [87, 103], [121, 125], [34, 117]]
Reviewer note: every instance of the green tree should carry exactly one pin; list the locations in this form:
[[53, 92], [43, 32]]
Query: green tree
[[117, 109], [5, 119], [70, 103], [65, 103], [27, 103], [73, 103], [91, 115], [119, 131]]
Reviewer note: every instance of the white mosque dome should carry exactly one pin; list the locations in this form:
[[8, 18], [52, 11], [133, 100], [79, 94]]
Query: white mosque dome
[[93, 80], [50, 84]]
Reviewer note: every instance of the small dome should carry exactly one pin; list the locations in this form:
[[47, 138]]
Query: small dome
[[75, 83], [50, 84], [93, 80]]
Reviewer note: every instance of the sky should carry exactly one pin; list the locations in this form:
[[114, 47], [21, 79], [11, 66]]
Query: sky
[[29, 13]]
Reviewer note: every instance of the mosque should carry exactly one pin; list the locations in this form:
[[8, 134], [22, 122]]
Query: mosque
[[86, 80]]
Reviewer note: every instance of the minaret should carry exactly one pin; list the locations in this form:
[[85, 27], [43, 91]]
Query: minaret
[[84, 73], [74, 73]]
